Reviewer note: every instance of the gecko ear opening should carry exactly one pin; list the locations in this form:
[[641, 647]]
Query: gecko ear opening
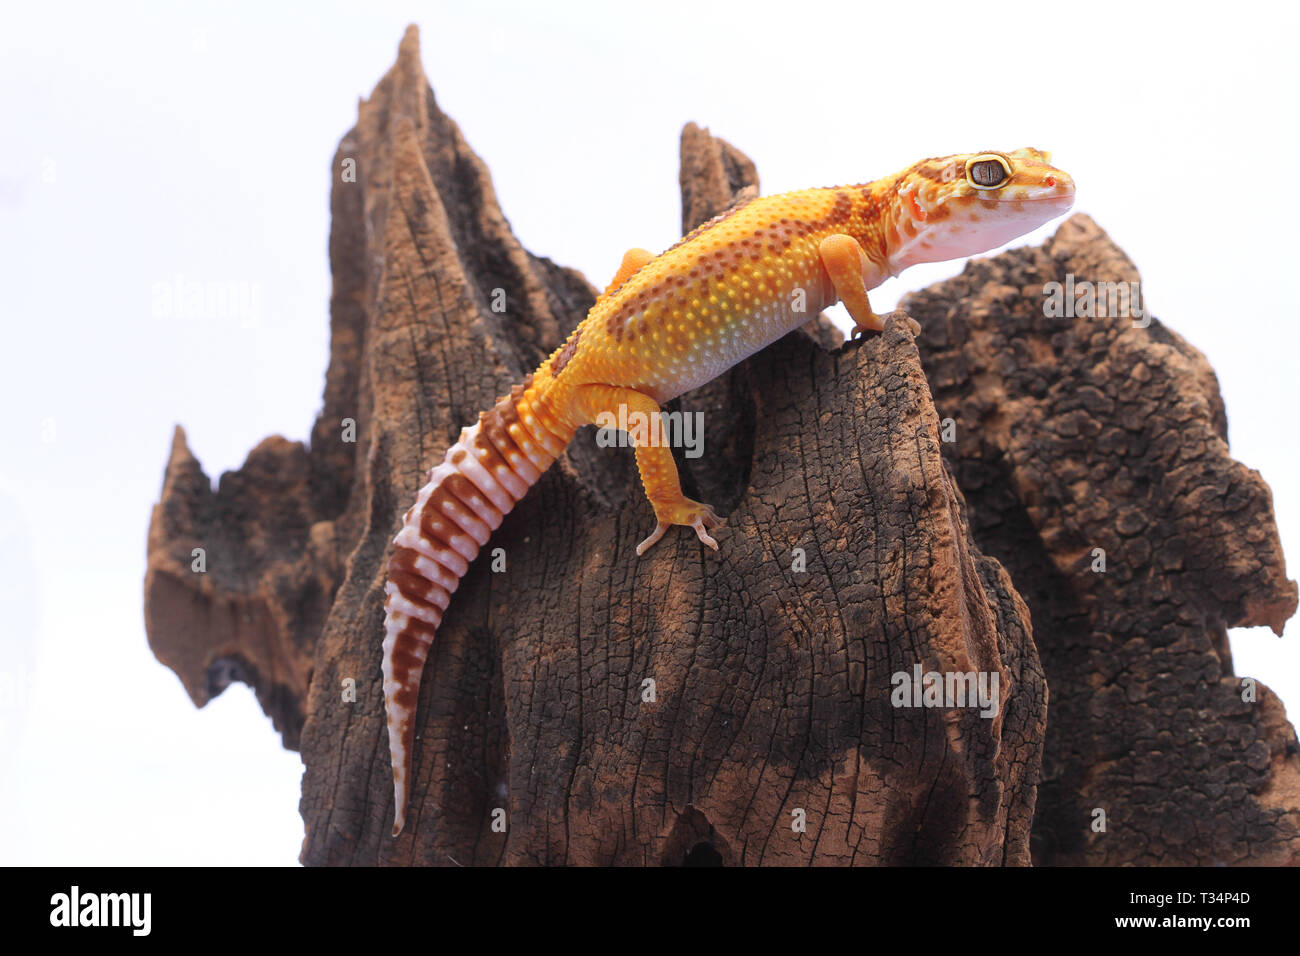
[[988, 171]]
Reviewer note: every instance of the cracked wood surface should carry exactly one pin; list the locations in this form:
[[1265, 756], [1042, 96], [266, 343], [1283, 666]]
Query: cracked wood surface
[[1075, 434], [772, 686]]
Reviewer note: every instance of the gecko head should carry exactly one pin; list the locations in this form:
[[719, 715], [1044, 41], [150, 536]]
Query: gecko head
[[972, 202]]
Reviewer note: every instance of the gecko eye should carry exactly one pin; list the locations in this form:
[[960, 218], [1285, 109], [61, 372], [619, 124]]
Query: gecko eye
[[987, 171]]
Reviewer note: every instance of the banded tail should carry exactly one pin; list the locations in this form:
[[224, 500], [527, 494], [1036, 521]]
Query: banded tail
[[484, 474]]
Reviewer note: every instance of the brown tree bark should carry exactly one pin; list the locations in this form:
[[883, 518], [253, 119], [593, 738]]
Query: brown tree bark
[[693, 707], [1084, 433]]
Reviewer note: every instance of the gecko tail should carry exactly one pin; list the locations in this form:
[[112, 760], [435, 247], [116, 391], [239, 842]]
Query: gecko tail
[[483, 475]]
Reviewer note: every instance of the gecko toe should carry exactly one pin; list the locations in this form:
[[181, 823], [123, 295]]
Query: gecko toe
[[701, 529], [655, 535]]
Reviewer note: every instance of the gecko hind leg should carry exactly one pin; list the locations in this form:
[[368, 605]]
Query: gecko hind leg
[[654, 460], [693, 514]]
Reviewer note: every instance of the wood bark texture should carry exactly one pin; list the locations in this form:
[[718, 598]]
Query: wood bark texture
[[736, 708]]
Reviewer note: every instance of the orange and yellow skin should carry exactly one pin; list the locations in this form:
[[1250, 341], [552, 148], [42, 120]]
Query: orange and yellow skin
[[670, 323]]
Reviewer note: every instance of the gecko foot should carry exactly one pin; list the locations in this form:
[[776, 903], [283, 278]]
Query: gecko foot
[[699, 516], [862, 331], [874, 325]]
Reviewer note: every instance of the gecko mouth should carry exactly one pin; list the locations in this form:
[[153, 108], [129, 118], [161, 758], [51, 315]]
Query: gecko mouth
[[1061, 197]]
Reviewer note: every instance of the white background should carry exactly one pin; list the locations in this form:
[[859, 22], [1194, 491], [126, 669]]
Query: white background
[[144, 142]]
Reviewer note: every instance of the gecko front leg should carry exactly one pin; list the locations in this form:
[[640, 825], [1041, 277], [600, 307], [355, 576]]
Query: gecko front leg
[[847, 266], [654, 460], [632, 262]]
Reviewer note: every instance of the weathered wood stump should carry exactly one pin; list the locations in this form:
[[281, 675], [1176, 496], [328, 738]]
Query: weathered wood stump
[[698, 707]]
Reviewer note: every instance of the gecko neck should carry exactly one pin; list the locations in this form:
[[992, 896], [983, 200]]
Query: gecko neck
[[875, 225]]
